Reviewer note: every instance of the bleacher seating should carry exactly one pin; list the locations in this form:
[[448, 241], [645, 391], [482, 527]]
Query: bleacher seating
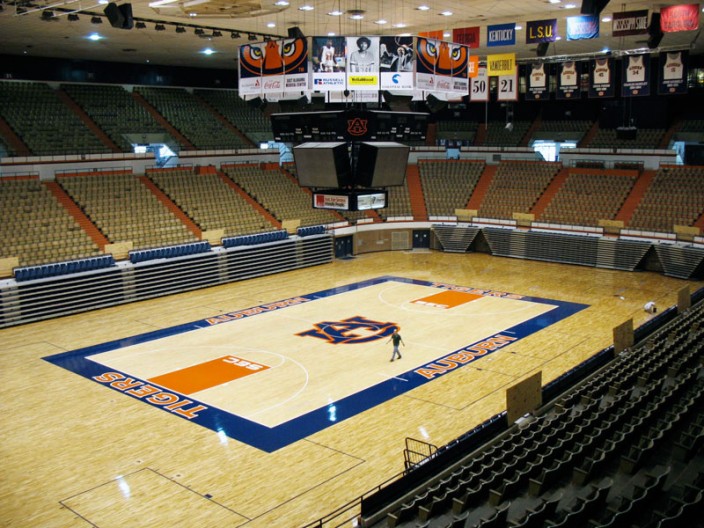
[[169, 251], [63, 268], [448, 184], [497, 135], [251, 121], [259, 238], [646, 138]]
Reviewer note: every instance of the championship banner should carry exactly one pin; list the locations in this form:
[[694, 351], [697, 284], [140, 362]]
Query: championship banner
[[537, 82], [507, 87], [467, 36], [501, 64], [635, 75], [583, 27], [363, 63], [679, 18], [601, 80], [397, 62], [479, 87], [427, 51], [328, 60], [673, 73], [501, 35], [538, 31], [629, 23], [568, 80]]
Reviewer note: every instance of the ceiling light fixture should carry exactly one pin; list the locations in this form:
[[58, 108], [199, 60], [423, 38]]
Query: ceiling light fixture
[[235, 35], [96, 20], [306, 8], [73, 17], [251, 37], [140, 25], [423, 8], [160, 27], [217, 33], [47, 14], [199, 32], [336, 13], [446, 13], [180, 29]]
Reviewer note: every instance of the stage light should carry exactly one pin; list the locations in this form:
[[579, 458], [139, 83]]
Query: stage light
[[73, 17], [251, 37], [217, 33], [180, 29], [47, 15], [140, 25], [96, 20], [199, 32], [160, 27], [235, 35]]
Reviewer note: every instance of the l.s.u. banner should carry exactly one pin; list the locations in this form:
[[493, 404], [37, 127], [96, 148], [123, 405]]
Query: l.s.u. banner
[[275, 66]]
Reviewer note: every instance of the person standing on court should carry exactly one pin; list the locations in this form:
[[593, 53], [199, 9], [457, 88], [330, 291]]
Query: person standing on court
[[396, 338]]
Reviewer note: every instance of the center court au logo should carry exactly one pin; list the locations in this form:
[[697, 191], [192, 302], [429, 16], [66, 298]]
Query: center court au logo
[[351, 331]]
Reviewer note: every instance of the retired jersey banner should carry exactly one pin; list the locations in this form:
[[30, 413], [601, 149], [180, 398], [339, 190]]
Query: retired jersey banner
[[673, 73], [396, 60], [635, 75], [537, 84], [501, 35], [467, 36], [328, 60], [679, 18], [507, 87], [601, 78], [568, 80], [582, 27], [629, 23], [363, 63], [479, 87], [538, 31], [501, 64]]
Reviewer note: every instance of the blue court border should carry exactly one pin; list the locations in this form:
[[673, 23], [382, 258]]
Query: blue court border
[[270, 439]]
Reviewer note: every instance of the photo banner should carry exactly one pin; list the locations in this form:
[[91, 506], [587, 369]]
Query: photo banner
[[328, 64], [397, 63], [362, 63], [501, 35], [537, 82], [635, 75], [501, 64], [538, 31], [583, 27], [568, 80], [673, 73], [601, 78], [679, 18], [629, 23]]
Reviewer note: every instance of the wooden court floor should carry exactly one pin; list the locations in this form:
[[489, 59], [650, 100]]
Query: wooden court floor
[[76, 454]]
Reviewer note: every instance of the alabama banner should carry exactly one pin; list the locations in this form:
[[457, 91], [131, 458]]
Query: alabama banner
[[673, 73], [582, 27], [501, 64], [629, 23], [541, 31], [635, 75], [679, 18], [601, 78]]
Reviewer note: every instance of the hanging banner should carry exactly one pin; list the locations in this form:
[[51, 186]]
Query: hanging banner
[[328, 60], [501, 64], [501, 35], [443, 67], [583, 27], [363, 63], [541, 31], [601, 78], [568, 80], [396, 60], [294, 59], [679, 18], [507, 87], [629, 23], [427, 51], [274, 66], [251, 66], [673, 73], [635, 75], [433, 35], [537, 88], [472, 66], [467, 36], [459, 68], [479, 86]]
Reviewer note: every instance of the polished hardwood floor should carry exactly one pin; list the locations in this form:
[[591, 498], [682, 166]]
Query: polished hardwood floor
[[76, 454]]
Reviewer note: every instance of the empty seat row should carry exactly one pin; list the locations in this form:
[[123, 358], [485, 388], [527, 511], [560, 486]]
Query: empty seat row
[[63, 268], [180, 250], [250, 240], [310, 230]]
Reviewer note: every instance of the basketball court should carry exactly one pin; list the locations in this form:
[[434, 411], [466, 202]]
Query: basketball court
[[270, 375]]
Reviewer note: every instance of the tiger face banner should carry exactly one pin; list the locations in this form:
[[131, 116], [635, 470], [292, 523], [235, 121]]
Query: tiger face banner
[[274, 66]]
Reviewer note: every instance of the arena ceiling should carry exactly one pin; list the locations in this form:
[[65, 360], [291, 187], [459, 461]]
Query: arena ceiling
[[167, 32]]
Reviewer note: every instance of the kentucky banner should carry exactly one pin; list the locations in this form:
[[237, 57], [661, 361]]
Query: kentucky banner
[[328, 60], [541, 31], [635, 75], [501, 64], [467, 36], [397, 63], [673, 73], [679, 18], [629, 23], [568, 80], [537, 88], [601, 78], [582, 27], [501, 35], [363, 63]]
